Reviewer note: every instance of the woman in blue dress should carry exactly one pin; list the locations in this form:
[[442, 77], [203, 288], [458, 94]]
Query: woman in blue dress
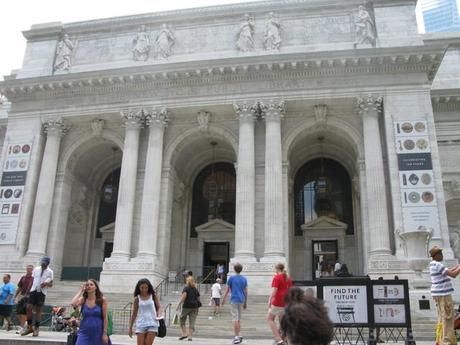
[[93, 326]]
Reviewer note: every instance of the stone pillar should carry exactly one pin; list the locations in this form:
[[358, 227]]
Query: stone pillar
[[133, 122], [148, 237], [245, 184], [273, 112], [370, 108], [38, 239]]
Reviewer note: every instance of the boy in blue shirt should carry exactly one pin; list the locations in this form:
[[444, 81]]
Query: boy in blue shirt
[[237, 286], [6, 300]]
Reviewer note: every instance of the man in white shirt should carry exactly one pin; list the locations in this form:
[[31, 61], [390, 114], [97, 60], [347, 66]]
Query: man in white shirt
[[337, 267], [216, 293], [441, 291], [43, 279]]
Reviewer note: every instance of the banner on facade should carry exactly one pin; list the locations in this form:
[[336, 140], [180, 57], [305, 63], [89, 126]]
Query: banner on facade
[[14, 172], [416, 180]]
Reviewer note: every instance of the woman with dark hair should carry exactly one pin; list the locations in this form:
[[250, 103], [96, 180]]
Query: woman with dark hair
[[305, 320], [146, 311], [280, 286], [94, 307]]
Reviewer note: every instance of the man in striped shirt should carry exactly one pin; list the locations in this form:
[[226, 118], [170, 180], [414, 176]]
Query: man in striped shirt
[[441, 290]]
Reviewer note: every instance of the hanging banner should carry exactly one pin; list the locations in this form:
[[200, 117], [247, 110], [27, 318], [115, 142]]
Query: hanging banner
[[416, 180], [15, 167]]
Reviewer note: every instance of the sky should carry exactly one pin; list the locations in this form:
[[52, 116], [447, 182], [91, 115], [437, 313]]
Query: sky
[[18, 15]]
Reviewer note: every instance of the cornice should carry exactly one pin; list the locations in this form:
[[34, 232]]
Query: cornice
[[446, 100], [37, 31], [229, 70]]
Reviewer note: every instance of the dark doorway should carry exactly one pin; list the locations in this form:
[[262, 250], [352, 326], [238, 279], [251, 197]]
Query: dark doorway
[[214, 253], [324, 256]]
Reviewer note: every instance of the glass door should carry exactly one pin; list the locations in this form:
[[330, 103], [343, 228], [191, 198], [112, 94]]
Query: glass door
[[324, 257]]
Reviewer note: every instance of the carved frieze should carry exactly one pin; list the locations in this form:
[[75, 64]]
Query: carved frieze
[[164, 42], [245, 37], [272, 33], [365, 28], [142, 45], [64, 49], [203, 118]]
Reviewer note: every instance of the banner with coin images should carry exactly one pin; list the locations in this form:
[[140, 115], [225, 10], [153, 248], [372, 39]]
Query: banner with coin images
[[15, 166], [416, 180]]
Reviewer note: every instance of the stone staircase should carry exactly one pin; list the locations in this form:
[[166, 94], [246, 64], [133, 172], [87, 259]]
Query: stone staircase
[[207, 325]]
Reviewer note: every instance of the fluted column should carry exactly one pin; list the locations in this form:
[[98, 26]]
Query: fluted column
[[133, 122], [54, 130], [273, 112], [245, 183], [370, 108], [157, 120]]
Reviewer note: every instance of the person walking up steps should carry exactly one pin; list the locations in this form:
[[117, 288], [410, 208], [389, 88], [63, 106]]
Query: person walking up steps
[[237, 287], [280, 286], [216, 294]]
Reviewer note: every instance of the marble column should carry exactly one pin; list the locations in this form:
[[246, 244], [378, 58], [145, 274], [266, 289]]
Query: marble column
[[133, 122], [38, 239], [157, 120], [245, 184], [370, 108], [273, 112]]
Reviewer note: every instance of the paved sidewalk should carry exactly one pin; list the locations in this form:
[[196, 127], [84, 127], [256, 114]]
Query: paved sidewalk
[[10, 338]]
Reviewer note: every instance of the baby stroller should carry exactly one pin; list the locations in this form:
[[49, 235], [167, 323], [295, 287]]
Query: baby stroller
[[58, 321]]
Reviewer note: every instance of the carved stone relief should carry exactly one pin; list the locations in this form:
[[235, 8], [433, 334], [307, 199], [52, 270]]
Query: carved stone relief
[[245, 37], [64, 49], [203, 118], [364, 27], [97, 125], [272, 33], [142, 45], [164, 42]]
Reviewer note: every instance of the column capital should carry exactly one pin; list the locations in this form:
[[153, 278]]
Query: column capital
[[55, 126], [369, 103], [246, 110], [133, 118], [273, 110], [157, 117]]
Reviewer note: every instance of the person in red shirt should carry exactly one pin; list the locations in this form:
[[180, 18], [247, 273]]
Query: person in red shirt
[[22, 293], [280, 286]]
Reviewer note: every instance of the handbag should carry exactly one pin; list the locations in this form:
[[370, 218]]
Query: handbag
[[71, 338], [161, 328]]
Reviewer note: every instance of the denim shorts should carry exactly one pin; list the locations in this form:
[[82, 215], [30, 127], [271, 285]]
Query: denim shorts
[[140, 330]]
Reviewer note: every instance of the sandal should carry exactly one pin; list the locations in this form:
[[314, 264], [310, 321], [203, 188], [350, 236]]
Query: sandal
[[182, 337]]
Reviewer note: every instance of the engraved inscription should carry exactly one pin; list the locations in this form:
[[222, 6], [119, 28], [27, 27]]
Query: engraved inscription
[[328, 29]]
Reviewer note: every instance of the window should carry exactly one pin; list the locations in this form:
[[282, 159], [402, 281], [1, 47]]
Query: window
[[214, 194], [322, 191]]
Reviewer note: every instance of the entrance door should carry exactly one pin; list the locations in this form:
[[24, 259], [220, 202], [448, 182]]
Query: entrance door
[[214, 253], [324, 257]]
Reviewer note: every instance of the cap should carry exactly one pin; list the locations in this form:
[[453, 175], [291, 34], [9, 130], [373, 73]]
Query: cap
[[435, 250], [45, 260]]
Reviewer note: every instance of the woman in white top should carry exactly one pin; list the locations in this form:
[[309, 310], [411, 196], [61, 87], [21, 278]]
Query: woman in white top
[[216, 293], [146, 311]]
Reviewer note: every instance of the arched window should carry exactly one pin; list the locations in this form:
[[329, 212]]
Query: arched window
[[214, 194], [322, 189]]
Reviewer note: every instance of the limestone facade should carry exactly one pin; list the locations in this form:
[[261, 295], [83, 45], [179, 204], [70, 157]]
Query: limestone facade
[[265, 87]]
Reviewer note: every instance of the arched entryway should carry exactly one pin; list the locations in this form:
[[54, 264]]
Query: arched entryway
[[203, 206], [85, 211], [324, 183]]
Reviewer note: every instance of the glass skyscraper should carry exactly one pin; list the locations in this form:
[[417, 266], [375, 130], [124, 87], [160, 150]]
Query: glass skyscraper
[[440, 15]]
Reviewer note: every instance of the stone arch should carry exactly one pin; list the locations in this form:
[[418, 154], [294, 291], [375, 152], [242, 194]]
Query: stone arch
[[345, 130], [89, 138], [174, 147]]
